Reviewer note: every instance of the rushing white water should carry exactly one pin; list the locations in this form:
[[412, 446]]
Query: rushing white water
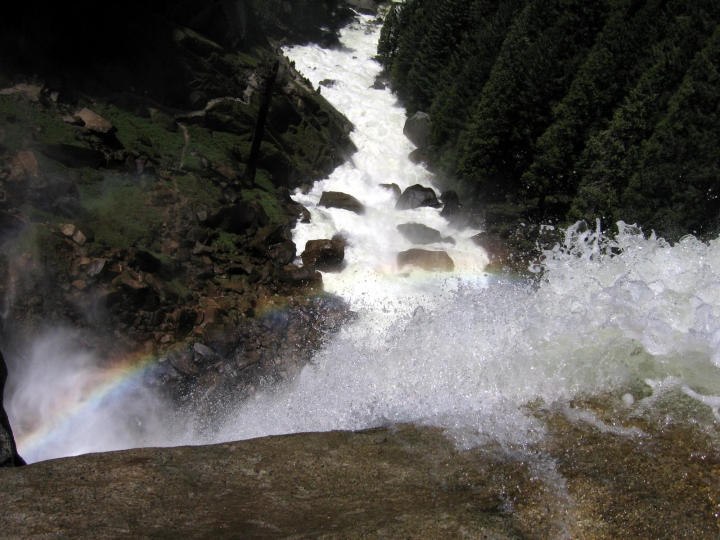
[[467, 352], [626, 316]]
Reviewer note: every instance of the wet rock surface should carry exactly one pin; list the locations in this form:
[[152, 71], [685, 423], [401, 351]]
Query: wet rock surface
[[418, 233], [426, 259], [416, 196], [337, 199], [325, 255], [394, 482]]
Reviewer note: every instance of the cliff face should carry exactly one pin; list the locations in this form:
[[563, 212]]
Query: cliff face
[[125, 207]]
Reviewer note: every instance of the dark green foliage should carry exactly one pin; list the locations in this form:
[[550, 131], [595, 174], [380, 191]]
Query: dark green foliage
[[558, 110]]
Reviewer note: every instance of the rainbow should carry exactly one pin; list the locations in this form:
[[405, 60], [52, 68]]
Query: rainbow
[[107, 385]]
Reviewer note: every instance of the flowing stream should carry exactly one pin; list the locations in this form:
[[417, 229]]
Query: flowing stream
[[625, 316]]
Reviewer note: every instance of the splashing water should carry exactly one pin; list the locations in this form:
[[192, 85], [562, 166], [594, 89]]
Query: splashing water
[[624, 314]]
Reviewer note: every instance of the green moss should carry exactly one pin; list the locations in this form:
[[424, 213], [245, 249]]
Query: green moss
[[226, 242], [149, 136], [198, 189], [216, 146], [23, 119], [270, 203], [178, 289], [120, 214]]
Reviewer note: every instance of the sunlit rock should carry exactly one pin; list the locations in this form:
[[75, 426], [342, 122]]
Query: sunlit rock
[[426, 259], [337, 199], [325, 255]]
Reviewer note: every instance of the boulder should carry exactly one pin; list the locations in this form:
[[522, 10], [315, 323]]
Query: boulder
[[425, 259], [8, 451], [294, 275], [392, 187], [93, 121], [451, 204], [417, 129], [283, 253], [495, 247], [338, 199], [325, 255], [418, 233], [416, 196]]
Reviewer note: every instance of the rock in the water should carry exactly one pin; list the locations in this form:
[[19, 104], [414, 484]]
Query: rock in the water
[[8, 451], [393, 187], [417, 129], [451, 204], [418, 233], [328, 83], [497, 250], [416, 196], [338, 199], [426, 259], [325, 255]]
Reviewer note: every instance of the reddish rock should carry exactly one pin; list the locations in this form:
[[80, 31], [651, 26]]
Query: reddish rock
[[425, 259], [325, 255]]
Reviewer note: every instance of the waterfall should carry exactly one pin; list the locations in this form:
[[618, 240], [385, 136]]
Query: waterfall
[[623, 315]]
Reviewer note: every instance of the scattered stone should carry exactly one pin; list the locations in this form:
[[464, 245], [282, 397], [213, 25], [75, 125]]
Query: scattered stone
[[295, 275], [416, 196], [394, 188], [30, 91], [425, 259], [79, 237], [337, 199], [93, 121], [23, 164], [418, 233], [203, 350], [328, 83], [68, 229], [96, 267], [417, 129], [324, 255]]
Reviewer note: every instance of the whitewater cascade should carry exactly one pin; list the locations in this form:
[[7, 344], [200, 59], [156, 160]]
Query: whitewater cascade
[[625, 316]]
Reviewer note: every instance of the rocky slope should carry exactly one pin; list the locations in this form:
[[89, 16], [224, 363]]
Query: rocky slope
[[126, 206]]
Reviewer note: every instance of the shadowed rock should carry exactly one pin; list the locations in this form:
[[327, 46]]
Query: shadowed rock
[[392, 187], [425, 259], [418, 233], [338, 199], [416, 196], [417, 129], [8, 451]]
